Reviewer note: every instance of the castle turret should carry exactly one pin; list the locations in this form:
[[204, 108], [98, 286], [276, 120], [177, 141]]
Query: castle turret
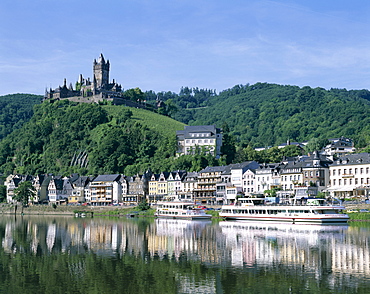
[[101, 72]]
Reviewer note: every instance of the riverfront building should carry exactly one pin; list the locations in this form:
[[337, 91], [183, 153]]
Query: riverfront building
[[345, 177]]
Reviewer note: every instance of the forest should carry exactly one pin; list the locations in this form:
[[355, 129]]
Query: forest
[[65, 137], [263, 114]]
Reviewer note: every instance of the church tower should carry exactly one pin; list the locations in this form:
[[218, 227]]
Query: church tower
[[101, 72]]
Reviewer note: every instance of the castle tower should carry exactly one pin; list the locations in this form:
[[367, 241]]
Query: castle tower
[[101, 72]]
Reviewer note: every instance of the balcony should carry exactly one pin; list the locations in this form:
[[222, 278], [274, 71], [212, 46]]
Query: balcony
[[205, 176], [346, 176]]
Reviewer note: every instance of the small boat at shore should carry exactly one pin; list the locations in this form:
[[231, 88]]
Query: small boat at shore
[[312, 211], [181, 210]]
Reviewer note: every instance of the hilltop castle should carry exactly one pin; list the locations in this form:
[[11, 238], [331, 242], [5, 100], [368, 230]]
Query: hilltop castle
[[97, 90]]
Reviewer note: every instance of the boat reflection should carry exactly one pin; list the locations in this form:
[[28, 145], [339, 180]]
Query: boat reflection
[[340, 250]]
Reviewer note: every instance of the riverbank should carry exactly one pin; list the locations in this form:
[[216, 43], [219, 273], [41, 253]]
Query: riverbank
[[118, 211], [65, 210]]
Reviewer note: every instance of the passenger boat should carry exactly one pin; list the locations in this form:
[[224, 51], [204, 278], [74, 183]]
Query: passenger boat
[[180, 209], [310, 211]]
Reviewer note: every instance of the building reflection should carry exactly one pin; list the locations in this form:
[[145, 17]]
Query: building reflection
[[311, 248]]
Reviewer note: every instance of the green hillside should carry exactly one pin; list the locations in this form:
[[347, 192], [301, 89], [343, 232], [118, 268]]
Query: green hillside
[[160, 123], [268, 114], [65, 137], [15, 110]]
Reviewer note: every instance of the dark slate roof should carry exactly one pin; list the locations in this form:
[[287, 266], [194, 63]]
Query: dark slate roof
[[350, 159], [191, 175], [81, 182], [58, 183], [211, 169], [197, 129], [107, 178], [306, 162], [269, 165], [245, 165], [74, 177]]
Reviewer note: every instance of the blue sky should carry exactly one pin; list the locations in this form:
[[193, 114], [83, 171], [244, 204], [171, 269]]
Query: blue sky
[[166, 44]]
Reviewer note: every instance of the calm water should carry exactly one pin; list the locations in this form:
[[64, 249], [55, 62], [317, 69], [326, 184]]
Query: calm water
[[68, 255]]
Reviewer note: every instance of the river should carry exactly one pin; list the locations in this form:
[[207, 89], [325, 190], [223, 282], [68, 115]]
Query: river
[[145, 255]]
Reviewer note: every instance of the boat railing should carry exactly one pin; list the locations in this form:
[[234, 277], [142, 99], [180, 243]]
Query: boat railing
[[284, 204]]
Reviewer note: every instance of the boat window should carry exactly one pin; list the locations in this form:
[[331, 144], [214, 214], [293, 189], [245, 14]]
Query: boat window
[[329, 212]]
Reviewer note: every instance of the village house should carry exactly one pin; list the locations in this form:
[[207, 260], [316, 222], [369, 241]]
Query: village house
[[199, 139], [208, 179], [105, 190], [267, 177], [188, 184], [339, 147], [41, 183], [174, 187], [350, 176], [136, 188], [56, 193], [78, 190], [12, 182]]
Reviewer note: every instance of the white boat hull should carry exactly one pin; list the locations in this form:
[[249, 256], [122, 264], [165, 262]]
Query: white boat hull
[[190, 217], [292, 214], [291, 219]]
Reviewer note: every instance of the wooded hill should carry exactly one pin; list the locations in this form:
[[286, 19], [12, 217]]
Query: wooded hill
[[65, 137], [264, 114]]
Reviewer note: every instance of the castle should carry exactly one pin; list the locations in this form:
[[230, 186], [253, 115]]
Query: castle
[[97, 90]]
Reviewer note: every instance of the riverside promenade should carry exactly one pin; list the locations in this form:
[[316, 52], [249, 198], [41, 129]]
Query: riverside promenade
[[10, 209]]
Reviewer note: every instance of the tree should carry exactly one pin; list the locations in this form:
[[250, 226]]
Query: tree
[[143, 205], [228, 148], [2, 193], [24, 192]]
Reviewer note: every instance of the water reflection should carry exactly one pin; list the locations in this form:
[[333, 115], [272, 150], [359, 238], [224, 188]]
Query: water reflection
[[194, 256]]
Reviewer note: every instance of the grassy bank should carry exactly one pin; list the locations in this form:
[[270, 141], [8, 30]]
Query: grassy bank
[[359, 216], [65, 210]]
